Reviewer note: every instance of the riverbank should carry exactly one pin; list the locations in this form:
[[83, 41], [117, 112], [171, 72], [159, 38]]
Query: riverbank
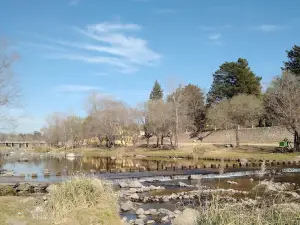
[[191, 150]]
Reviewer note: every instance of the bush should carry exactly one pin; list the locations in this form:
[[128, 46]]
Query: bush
[[83, 200]]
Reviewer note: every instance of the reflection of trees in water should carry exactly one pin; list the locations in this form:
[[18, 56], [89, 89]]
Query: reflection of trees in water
[[96, 163]]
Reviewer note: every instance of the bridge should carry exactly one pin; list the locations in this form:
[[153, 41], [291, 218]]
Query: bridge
[[23, 144]]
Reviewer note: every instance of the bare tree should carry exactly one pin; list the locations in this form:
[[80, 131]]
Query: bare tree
[[9, 92], [108, 117], [235, 112], [282, 101], [160, 118], [73, 127]]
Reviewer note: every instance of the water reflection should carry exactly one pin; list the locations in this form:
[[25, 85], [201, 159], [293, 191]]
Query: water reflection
[[87, 164]]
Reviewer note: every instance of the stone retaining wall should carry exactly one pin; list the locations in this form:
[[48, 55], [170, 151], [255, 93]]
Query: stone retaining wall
[[249, 135]]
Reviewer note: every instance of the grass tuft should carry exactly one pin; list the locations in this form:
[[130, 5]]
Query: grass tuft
[[83, 200]]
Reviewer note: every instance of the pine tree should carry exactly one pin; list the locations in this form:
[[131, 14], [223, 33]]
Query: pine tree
[[233, 78], [157, 92], [293, 63]]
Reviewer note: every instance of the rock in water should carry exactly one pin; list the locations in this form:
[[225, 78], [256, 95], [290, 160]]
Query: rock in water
[[139, 222], [135, 184], [127, 206], [123, 185], [140, 211]]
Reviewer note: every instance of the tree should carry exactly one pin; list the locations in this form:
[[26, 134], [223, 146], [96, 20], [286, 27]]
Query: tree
[[157, 92], [235, 112], [293, 63], [194, 100], [159, 117], [108, 117], [283, 103], [9, 92], [231, 79], [179, 112]]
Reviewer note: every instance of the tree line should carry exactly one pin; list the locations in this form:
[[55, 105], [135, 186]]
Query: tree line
[[235, 99]]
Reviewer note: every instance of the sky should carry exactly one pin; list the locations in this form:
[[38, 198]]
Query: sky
[[69, 48]]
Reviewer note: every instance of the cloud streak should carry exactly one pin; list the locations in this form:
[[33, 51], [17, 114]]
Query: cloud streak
[[113, 44], [214, 37], [267, 28], [75, 88]]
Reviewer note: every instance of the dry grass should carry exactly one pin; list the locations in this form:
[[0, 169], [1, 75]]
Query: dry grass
[[83, 200], [16, 208], [217, 213]]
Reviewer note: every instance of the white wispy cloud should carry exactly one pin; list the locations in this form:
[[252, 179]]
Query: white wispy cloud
[[74, 2], [266, 28], [218, 28], [75, 88], [214, 37], [165, 11], [112, 44]]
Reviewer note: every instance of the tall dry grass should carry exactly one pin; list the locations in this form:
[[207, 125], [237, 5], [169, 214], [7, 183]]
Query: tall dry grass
[[83, 200], [247, 213]]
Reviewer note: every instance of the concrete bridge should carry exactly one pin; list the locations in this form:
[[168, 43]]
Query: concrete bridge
[[23, 144]]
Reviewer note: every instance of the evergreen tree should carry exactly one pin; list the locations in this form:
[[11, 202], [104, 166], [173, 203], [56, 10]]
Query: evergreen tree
[[233, 78], [293, 63], [157, 92]]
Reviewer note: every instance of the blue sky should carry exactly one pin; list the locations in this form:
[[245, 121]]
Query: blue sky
[[120, 47]]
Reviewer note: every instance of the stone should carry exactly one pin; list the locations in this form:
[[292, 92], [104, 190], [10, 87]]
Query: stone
[[195, 177], [135, 184], [132, 190], [139, 222], [127, 206], [153, 212], [123, 184], [24, 187], [8, 174], [165, 211], [165, 219], [165, 199], [142, 216], [150, 222], [177, 211], [134, 196], [232, 182], [140, 211], [147, 212]]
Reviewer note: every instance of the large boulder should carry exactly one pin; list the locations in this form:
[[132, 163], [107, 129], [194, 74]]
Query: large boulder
[[140, 211], [165, 211], [135, 184], [127, 206], [123, 184], [134, 196]]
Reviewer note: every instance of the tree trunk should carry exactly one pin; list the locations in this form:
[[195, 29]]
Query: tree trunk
[[148, 140], [162, 140], [171, 141], [157, 141], [237, 136], [296, 141]]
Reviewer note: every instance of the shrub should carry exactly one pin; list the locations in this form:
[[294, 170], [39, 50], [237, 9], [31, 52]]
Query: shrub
[[83, 200]]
